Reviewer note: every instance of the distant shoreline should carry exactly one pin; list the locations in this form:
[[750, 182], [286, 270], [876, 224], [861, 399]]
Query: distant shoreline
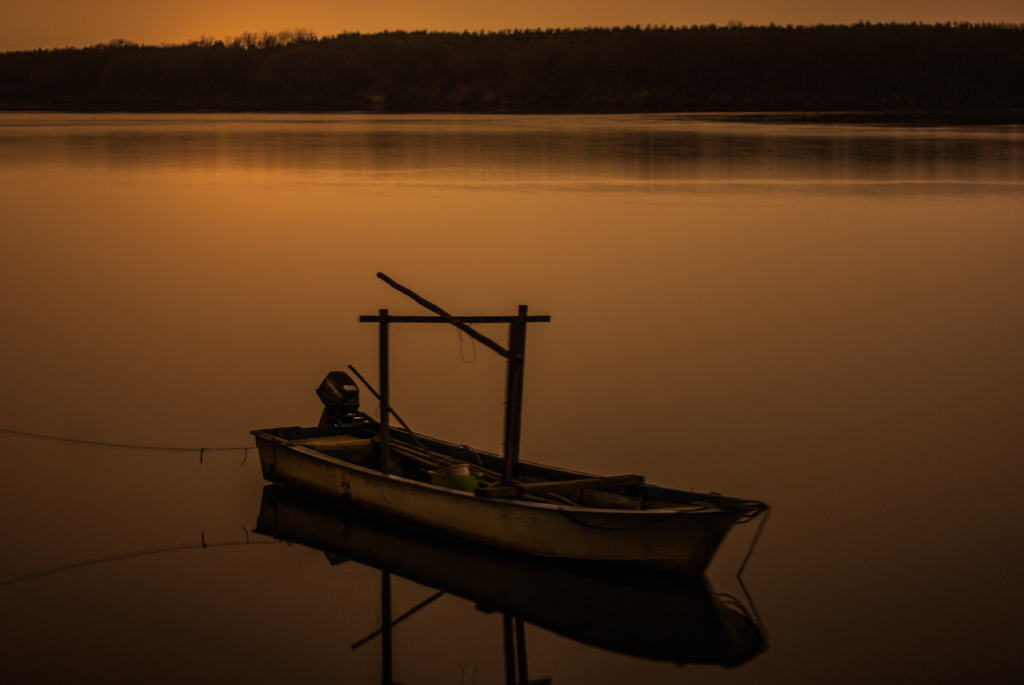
[[869, 73], [893, 118]]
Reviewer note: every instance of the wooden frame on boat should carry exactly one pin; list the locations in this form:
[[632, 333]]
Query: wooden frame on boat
[[521, 507]]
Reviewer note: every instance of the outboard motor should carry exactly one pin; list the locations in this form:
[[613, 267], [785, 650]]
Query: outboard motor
[[340, 396]]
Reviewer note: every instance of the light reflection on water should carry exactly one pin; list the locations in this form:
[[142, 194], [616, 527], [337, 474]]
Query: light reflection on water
[[825, 318], [662, 148]]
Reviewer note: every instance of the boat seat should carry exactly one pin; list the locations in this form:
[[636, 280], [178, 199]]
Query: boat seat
[[345, 447], [332, 442]]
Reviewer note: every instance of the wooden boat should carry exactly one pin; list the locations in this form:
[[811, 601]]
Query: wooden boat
[[641, 613], [638, 523], [523, 507]]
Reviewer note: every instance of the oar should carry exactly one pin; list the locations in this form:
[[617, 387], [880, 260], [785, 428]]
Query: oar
[[446, 470], [408, 450], [431, 458], [394, 413]]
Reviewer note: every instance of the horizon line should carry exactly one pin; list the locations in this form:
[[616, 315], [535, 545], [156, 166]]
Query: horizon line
[[285, 37]]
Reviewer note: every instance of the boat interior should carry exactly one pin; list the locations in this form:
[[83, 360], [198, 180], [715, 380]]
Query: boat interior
[[429, 460]]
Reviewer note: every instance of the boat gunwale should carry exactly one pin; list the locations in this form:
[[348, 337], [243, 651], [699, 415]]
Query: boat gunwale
[[747, 508]]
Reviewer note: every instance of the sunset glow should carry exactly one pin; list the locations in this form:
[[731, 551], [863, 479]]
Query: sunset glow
[[770, 261], [77, 23]]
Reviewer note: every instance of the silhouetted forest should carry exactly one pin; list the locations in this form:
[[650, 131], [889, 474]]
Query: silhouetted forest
[[878, 67]]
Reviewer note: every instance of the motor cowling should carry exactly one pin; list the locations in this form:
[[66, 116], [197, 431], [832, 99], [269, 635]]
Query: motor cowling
[[340, 396]]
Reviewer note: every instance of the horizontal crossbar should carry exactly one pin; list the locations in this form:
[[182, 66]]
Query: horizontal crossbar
[[466, 319]]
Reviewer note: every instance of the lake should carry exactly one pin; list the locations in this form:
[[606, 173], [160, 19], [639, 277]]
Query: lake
[[827, 318]]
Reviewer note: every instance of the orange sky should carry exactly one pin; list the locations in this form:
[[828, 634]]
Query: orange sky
[[59, 23]]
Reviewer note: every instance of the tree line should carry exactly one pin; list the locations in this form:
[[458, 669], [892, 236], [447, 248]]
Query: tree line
[[861, 67]]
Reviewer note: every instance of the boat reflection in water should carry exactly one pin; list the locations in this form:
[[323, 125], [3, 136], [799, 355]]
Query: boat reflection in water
[[642, 613]]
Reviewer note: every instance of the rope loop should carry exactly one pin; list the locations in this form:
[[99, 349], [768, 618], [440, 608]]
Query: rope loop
[[462, 347]]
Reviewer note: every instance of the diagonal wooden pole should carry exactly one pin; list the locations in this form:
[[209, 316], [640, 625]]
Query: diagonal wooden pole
[[461, 325]]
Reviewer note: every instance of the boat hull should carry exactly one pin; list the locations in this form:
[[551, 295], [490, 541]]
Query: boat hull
[[676, 539]]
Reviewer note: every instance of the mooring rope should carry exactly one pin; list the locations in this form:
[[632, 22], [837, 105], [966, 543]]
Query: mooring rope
[[132, 555], [201, 450], [765, 513]]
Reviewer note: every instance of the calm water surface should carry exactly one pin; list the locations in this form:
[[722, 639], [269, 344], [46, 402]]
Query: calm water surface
[[826, 318]]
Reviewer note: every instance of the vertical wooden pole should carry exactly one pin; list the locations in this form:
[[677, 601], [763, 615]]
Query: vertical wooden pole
[[524, 678], [385, 619], [510, 650], [514, 393], [385, 395]]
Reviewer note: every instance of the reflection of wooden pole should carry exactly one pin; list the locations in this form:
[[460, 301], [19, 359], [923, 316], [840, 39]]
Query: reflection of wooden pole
[[385, 619], [428, 600], [385, 394], [510, 650], [514, 394], [524, 679]]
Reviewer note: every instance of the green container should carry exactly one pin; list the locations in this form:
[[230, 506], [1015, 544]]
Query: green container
[[467, 483]]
